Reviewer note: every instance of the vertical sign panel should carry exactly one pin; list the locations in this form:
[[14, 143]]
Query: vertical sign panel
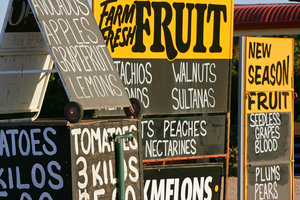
[[79, 52], [268, 117], [93, 160], [173, 56]]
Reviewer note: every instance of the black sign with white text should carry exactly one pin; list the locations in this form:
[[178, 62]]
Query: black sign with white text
[[269, 136], [94, 160], [55, 160], [183, 182], [79, 52], [183, 136], [35, 163], [176, 87], [269, 182]]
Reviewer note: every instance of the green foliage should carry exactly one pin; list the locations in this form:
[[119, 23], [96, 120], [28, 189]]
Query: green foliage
[[233, 161], [234, 83], [55, 99], [297, 76]]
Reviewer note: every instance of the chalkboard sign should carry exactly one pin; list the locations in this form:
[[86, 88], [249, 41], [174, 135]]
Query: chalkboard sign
[[183, 182], [58, 160], [80, 54], [182, 136], [35, 162], [269, 137], [269, 181], [180, 86], [93, 160]]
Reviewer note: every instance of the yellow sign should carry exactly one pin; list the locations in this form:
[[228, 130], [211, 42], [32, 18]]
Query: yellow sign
[[166, 29], [269, 101], [269, 64]]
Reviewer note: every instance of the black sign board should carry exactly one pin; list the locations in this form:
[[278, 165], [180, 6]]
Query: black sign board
[[80, 54], [183, 182], [269, 181], [35, 162], [182, 136], [177, 87], [269, 137], [93, 160], [20, 30], [21, 18], [55, 160]]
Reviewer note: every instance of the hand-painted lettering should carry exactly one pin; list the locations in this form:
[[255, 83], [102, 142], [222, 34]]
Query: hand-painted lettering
[[273, 74], [164, 36]]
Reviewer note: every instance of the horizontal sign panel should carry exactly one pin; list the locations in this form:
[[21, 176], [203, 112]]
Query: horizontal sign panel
[[166, 29], [268, 137], [94, 156], [181, 86], [269, 64], [182, 137], [269, 182], [183, 182]]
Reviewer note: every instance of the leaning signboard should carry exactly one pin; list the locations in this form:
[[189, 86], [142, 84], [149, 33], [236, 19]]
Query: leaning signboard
[[80, 54], [268, 117], [173, 56]]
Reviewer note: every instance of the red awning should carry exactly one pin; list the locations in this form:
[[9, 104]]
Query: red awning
[[266, 16]]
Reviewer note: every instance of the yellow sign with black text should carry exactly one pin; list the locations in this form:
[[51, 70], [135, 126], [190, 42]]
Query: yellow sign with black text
[[269, 74], [166, 29]]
